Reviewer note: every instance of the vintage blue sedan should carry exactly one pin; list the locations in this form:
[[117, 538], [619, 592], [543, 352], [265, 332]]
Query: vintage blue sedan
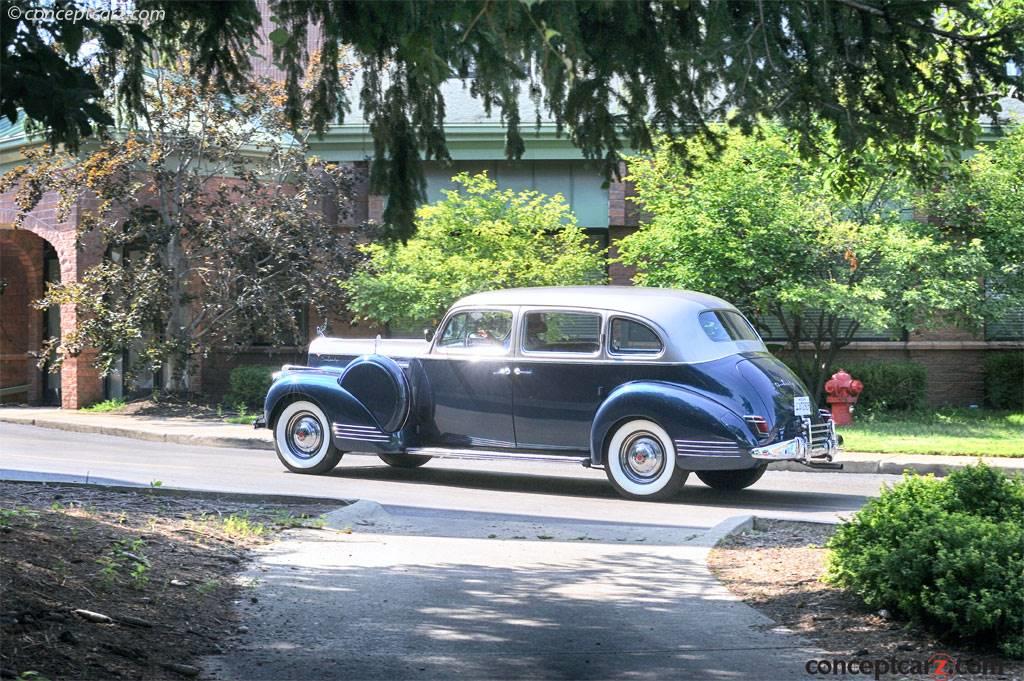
[[649, 384]]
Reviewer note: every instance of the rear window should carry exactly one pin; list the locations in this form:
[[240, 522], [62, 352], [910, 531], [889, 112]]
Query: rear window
[[630, 337], [726, 325], [577, 332]]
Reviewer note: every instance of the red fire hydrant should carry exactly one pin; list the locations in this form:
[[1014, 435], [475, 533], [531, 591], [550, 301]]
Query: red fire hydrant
[[842, 391]]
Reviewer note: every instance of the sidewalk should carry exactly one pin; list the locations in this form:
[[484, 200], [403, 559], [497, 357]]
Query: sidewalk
[[177, 430], [211, 433]]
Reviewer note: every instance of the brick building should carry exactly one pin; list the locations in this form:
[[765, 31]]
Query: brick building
[[46, 250]]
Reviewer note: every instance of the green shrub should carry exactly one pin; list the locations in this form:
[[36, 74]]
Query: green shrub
[[1004, 380], [888, 386], [946, 554], [248, 386]]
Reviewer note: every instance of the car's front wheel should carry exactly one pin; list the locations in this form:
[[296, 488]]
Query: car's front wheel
[[641, 463], [302, 438], [732, 480], [404, 460]]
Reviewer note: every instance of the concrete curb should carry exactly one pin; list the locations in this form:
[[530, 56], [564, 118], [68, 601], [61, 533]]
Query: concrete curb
[[243, 497], [733, 525], [149, 436]]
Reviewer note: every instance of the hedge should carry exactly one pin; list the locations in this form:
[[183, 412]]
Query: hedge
[[1004, 380], [248, 386], [945, 554]]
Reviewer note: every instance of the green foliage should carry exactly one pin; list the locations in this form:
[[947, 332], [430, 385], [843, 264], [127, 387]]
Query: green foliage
[[478, 238], [106, 406], [215, 222], [125, 559], [909, 73], [237, 525], [946, 554], [248, 386], [768, 231], [981, 201], [889, 386], [1004, 380]]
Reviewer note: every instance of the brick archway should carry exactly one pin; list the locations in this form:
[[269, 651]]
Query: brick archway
[[22, 251]]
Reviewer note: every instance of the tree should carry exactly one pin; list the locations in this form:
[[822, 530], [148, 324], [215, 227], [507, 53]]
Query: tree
[[215, 223], [478, 238], [983, 199], [766, 230], [610, 73], [61, 58]]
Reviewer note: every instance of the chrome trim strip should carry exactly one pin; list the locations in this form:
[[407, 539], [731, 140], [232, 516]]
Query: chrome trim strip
[[710, 456], [347, 431], [349, 426], [490, 455]]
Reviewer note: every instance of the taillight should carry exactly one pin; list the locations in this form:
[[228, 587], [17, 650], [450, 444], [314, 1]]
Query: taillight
[[759, 423]]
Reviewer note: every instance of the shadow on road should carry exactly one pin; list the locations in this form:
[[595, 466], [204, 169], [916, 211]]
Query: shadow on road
[[693, 494]]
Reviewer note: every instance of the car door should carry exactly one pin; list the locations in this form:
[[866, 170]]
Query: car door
[[557, 378], [468, 374]]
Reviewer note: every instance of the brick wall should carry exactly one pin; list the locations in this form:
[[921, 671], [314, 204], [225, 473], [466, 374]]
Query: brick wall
[[80, 382]]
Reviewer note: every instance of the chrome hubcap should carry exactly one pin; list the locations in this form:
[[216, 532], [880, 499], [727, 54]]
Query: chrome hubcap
[[642, 457], [305, 436]]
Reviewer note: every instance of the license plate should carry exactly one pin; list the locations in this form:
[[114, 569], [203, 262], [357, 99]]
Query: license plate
[[802, 406]]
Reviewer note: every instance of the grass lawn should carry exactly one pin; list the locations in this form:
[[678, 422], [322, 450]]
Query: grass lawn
[[960, 432]]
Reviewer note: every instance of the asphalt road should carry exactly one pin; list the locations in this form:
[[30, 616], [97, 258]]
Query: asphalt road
[[488, 490]]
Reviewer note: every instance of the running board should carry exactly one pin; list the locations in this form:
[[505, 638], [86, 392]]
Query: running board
[[493, 455]]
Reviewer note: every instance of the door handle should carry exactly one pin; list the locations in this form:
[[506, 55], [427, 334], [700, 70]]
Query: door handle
[[504, 371], [522, 372]]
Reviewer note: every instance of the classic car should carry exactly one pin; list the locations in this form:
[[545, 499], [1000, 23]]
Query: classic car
[[648, 384]]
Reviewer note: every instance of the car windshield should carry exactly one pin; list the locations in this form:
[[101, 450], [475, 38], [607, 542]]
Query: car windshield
[[726, 325]]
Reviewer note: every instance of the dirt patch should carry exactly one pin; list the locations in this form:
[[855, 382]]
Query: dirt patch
[[175, 407], [96, 584], [777, 568]]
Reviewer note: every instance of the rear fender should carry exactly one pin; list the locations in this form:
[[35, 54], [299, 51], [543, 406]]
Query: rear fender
[[353, 427], [683, 413]]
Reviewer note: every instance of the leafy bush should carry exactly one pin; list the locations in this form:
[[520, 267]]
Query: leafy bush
[[1004, 380], [946, 554], [888, 386], [248, 386]]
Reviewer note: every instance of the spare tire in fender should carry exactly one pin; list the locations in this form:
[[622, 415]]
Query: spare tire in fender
[[382, 387]]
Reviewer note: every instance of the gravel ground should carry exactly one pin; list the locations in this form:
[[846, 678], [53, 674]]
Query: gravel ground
[[97, 584]]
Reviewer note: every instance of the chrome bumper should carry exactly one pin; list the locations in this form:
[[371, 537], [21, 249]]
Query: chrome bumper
[[817, 445]]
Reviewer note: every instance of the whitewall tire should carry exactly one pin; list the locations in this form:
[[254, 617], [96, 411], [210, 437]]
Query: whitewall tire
[[641, 462], [302, 438]]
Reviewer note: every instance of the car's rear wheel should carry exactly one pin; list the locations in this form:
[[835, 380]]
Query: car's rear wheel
[[732, 480], [641, 462], [404, 460], [302, 438]]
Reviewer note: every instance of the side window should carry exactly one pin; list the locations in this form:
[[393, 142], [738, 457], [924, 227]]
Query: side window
[[489, 331], [630, 337], [562, 332]]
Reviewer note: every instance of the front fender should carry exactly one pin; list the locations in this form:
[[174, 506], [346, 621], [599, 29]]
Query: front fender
[[683, 413]]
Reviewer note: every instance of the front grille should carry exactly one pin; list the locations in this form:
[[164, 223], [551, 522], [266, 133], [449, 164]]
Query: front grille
[[708, 448]]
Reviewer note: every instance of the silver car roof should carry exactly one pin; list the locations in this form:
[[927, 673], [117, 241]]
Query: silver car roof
[[653, 303], [675, 311]]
